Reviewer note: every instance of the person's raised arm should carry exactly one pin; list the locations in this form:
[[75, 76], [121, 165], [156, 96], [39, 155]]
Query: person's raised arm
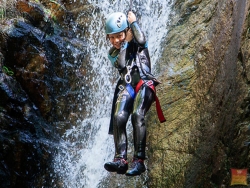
[[137, 32]]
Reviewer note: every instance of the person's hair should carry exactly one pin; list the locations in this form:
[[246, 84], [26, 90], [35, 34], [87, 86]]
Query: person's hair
[[125, 31]]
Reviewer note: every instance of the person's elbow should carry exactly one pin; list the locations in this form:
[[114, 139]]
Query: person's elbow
[[141, 39]]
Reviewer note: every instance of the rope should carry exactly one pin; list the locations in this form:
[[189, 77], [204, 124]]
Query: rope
[[130, 5]]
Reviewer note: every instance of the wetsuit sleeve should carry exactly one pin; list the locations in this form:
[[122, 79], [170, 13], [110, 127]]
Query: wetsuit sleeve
[[138, 34], [118, 56]]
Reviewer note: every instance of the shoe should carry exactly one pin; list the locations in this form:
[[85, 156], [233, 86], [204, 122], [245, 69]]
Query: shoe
[[138, 167], [119, 165]]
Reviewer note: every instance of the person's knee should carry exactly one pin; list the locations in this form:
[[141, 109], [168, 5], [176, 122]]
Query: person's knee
[[120, 119], [137, 118]]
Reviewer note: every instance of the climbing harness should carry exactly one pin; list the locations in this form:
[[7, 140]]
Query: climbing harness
[[150, 84], [131, 91]]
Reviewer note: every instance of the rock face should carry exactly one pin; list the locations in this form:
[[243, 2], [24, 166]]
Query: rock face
[[205, 94], [40, 90]]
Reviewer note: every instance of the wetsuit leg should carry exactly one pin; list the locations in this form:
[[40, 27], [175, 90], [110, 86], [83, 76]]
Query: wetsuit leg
[[142, 103], [123, 107]]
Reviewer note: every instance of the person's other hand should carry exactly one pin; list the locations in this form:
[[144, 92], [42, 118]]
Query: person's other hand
[[129, 35], [131, 17]]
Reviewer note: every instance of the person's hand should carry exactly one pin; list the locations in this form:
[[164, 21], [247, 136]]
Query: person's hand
[[129, 35], [131, 17]]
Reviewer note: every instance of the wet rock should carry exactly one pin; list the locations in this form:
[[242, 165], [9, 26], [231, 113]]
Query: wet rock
[[25, 137], [36, 86], [31, 11]]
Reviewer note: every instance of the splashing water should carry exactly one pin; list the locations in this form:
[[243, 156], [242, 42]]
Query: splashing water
[[84, 149]]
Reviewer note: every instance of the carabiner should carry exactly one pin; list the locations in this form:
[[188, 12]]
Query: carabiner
[[127, 76]]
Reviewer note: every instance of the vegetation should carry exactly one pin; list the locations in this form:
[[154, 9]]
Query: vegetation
[[7, 9]]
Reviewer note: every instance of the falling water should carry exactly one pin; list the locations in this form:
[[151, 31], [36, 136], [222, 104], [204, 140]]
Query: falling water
[[86, 147]]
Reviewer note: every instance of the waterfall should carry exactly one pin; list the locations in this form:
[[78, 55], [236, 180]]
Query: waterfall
[[85, 148]]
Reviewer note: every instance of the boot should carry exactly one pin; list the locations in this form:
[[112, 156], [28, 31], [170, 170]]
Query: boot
[[119, 165], [138, 167]]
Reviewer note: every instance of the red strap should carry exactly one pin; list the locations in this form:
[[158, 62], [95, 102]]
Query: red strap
[[159, 110], [138, 86], [158, 105]]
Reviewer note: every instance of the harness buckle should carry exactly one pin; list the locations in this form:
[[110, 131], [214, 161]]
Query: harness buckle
[[121, 87]]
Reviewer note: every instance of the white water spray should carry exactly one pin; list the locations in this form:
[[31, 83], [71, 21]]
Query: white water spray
[[84, 149]]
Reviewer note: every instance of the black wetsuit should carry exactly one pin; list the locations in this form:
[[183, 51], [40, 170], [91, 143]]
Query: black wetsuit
[[129, 63]]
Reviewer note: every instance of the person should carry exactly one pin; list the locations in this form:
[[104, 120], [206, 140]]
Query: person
[[134, 92]]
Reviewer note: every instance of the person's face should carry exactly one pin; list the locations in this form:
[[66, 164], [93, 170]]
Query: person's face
[[116, 39]]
